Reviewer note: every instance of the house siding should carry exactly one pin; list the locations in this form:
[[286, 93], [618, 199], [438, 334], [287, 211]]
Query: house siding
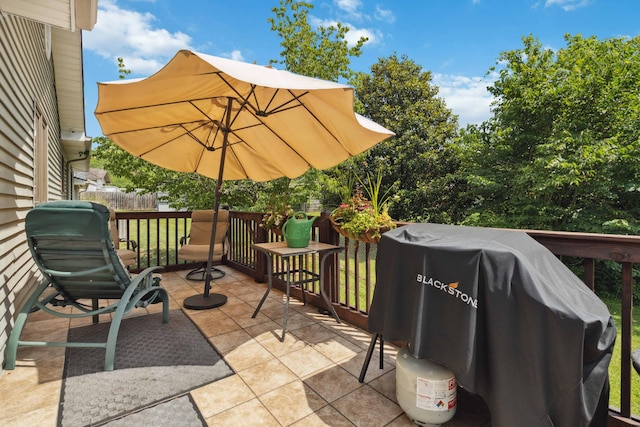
[[26, 80]]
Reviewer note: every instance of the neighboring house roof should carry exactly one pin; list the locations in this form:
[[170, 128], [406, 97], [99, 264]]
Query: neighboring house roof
[[67, 18], [96, 174]]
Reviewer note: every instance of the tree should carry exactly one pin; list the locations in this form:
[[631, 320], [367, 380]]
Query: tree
[[419, 163], [322, 52], [561, 150]]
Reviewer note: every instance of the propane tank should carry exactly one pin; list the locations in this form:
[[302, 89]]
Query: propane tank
[[426, 391]]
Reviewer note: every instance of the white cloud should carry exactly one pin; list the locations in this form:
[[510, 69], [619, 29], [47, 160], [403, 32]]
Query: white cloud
[[568, 5], [234, 54], [349, 6], [132, 36], [385, 15], [467, 97], [354, 33]]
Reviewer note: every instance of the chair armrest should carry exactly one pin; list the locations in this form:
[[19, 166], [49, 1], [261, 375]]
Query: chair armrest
[[133, 243]]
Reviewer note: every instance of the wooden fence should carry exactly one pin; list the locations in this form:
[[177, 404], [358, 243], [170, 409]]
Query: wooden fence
[[121, 201]]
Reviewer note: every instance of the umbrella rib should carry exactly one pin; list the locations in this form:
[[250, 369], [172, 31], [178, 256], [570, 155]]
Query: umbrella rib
[[165, 142], [256, 108], [325, 127], [283, 106]]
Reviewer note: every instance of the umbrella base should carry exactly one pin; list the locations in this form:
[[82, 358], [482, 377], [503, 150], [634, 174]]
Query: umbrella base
[[200, 302]]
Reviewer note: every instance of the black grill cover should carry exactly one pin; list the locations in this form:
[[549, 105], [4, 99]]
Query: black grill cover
[[513, 323]]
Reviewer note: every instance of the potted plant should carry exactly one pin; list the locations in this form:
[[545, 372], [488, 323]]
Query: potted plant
[[275, 217], [363, 218], [275, 198]]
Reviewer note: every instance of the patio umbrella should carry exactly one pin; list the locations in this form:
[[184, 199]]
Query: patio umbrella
[[232, 120]]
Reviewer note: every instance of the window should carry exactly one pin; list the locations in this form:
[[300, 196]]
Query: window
[[41, 158]]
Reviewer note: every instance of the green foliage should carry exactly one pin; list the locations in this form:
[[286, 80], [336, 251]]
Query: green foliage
[[279, 198], [322, 53], [358, 216], [419, 164], [561, 150], [123, 71], [373, 190], [181, 190]]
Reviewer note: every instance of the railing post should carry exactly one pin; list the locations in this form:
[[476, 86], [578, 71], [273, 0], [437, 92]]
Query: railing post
[[626, 326], [260, 261], [326, 234], [590, 273]]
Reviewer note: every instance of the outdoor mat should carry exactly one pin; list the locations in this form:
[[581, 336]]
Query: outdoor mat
[[156, 365]]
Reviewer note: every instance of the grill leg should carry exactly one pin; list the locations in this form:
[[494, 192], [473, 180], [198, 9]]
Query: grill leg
[[367, 359]]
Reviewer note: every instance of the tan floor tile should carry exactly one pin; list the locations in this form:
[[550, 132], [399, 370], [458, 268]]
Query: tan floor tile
[[32, 395], [354, 366], [338, 349], [327, 416], [367, 407], [240, 308], [39, 354], [212, 322], [246, 321], [43, 416], [332, 383], [314, 333], [182, 293], [292, 402], [305, 361], [273, 310], [249, 292], [221, 395], [52, 329], [225, 343], [279, 348], [403, 421], [264, 330], [295, 321], [386, 385], [247, 355], [351, 333], [251, 413], [232, 300], [267, 376]]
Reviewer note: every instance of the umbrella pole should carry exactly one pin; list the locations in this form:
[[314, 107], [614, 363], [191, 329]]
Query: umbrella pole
[[208, 300]]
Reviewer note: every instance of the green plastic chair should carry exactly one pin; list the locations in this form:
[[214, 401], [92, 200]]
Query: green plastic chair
[[71, 244]]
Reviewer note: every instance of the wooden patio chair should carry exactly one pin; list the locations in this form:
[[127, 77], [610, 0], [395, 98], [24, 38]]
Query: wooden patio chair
[[71, 244]]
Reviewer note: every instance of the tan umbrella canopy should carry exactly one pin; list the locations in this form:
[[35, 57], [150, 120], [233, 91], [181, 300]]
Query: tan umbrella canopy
[[232, 120]]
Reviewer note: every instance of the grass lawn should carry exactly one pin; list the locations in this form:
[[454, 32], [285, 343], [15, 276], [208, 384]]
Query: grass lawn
[[614, 366]]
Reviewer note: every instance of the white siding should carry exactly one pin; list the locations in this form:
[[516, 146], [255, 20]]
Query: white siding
[[26, 79]]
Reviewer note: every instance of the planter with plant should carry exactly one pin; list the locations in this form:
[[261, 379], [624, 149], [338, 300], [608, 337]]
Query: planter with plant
[[362, 218]]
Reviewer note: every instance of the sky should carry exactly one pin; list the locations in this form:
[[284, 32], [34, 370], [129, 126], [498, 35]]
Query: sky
[[458, 41]]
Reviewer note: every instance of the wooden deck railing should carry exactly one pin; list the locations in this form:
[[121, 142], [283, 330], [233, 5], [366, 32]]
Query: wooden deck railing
[[351, 274]]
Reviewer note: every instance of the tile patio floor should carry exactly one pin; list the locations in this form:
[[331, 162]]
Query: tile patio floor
[[309, 380]]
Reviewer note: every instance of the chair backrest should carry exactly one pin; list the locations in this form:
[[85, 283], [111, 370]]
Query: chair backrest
[[197, 249], [113, 228], [71, 244], [202, 226]]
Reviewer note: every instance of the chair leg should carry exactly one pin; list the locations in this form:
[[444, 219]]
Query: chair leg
[[199, 273], [21, 320], [14, 339]]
